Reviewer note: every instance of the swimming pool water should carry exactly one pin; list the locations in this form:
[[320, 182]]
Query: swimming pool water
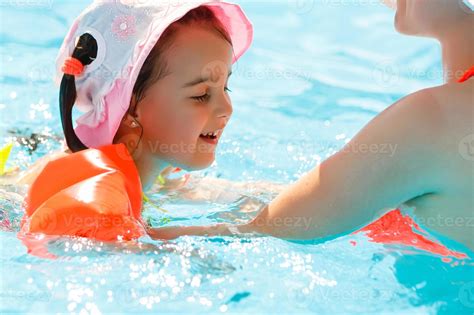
[[317, 72]]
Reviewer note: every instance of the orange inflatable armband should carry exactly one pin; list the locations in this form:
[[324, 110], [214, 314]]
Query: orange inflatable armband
[[94, 193]]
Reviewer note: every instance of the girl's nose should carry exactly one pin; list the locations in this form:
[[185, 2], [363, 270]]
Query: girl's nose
[[224, 106]]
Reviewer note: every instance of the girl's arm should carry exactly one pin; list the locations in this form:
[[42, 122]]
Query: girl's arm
[[390, 161], [204, 188]]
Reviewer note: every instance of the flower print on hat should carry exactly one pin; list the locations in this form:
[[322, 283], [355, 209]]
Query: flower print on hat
[[123, 26]]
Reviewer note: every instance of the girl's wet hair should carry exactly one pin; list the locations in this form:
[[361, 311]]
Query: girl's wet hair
[[153, 69]]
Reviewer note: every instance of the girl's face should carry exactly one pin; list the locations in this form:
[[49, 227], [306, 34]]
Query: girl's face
[[430, 18], [181, 111]]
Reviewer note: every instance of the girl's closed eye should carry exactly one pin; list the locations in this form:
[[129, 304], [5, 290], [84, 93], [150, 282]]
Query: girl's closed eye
[[201, 98], [206, 96]]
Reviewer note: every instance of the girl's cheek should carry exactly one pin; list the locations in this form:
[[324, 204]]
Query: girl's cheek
[[175, 129], [176, 121], [193, 119]]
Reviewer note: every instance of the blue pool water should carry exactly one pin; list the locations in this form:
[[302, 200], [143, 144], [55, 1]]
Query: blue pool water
[[316, 73]]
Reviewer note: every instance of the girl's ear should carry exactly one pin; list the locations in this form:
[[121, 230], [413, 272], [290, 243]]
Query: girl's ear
[[129, 121], [131, 112]]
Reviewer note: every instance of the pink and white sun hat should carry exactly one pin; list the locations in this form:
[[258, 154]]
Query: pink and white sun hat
[[126, 31]]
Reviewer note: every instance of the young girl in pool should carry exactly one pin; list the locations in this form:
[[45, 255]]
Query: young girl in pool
[[432, 170], [152, 79]]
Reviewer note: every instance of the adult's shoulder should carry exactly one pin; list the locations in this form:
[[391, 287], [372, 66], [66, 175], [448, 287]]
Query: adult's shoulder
[[440, 111], [452, 97], [412, 120], [452, 109]]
